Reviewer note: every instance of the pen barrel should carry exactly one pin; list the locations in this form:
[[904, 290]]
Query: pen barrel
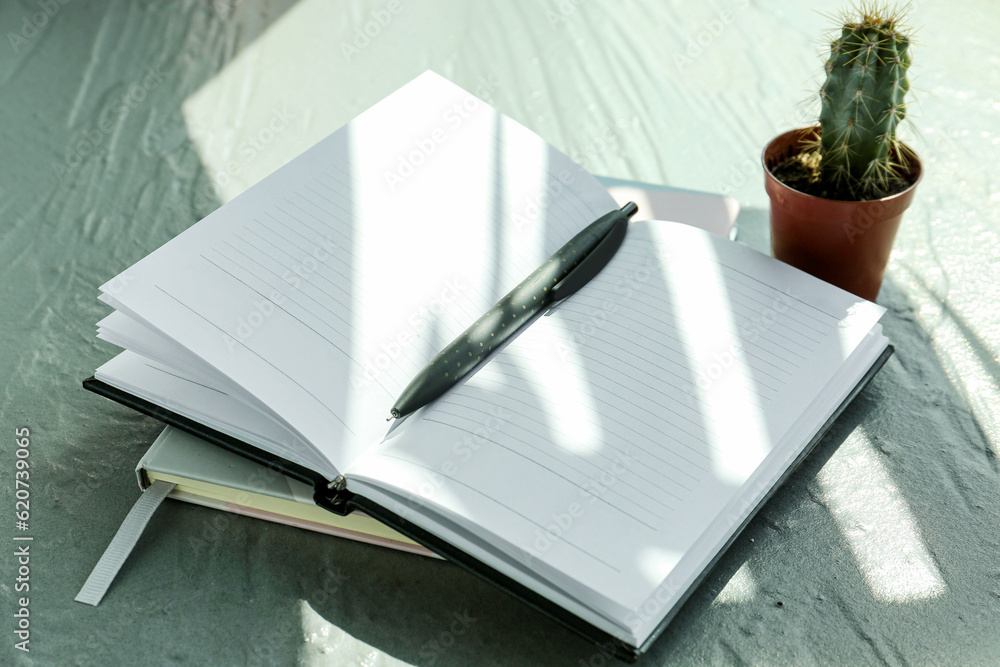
[[505, 318]]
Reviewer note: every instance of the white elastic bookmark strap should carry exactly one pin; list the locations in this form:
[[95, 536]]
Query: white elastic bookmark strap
[[124, 540]]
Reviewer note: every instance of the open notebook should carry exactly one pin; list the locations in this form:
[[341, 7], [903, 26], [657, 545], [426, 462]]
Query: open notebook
[[595, 466]]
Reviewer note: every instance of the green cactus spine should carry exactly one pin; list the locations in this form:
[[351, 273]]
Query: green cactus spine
[[863, 103]]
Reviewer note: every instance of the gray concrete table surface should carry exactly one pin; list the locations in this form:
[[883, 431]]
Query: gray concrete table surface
[[123, 123]]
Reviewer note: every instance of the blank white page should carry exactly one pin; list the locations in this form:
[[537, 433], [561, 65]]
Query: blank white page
[[610, 435], [324, 288]]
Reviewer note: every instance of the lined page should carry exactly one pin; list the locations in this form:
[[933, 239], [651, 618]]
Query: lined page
[[209, 405], [604, 440], [323, 289]]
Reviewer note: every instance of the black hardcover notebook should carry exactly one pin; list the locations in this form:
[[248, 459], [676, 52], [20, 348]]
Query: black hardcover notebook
[[597, 465]]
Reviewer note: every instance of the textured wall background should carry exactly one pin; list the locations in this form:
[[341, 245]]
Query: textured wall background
[[122, 123]]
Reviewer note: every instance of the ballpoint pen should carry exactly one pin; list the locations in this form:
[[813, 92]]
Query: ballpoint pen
[[571, 267]]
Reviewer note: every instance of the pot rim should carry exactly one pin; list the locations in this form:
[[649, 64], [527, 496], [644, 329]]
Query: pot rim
[[917, 164]]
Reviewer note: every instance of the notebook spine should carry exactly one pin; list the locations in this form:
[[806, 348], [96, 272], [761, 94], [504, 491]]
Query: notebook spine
[[263, 457], [339, 501]]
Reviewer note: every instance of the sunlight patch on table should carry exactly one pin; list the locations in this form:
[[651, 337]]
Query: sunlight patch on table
[[878, 525], [966, 370], [742, 587], [326, 644]]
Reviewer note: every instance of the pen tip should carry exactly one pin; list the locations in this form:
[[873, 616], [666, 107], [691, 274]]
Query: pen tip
[[389, 418]]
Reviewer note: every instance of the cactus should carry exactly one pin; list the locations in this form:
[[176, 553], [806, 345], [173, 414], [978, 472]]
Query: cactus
[[862, 103]]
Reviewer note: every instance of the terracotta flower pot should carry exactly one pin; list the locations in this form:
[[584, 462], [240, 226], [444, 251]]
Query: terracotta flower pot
[[846, 243]]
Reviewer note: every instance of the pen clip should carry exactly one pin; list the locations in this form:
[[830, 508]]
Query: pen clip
[[597, 259]]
